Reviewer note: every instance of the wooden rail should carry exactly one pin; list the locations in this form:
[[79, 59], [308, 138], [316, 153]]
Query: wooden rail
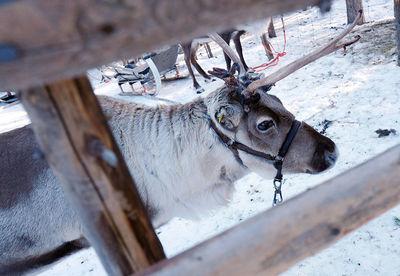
[[73, 133], [271, 242], [42, 41]]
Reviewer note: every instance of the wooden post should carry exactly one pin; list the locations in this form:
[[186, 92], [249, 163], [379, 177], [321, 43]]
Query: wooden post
[[273, 241], [271, 29], [353, 6], [267, 48], [397, 23], [208, 50], [75, 138]]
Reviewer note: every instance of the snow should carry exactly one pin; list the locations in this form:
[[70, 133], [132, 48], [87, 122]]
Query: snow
[[359, 92]]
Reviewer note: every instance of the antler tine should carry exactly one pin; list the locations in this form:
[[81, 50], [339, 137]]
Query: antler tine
[[228, 50], [297, 64]]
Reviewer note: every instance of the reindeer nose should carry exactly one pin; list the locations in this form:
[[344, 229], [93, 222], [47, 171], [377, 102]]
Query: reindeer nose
[[325, 156], [331, 157]]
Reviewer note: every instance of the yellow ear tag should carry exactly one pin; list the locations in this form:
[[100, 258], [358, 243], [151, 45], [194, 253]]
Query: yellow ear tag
[[220, 118]]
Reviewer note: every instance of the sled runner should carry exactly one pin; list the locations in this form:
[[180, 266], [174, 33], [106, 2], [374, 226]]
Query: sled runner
[[154, 65]]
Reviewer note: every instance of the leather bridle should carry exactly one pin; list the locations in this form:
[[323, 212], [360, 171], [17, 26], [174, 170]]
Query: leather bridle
[[277, 161]]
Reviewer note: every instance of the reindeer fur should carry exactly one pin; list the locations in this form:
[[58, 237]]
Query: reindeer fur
[[178, 163]]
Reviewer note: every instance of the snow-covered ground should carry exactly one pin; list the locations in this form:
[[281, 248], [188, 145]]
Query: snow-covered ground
[[357, 91]]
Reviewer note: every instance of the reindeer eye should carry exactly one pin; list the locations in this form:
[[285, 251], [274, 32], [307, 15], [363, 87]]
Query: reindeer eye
[[265, 125]]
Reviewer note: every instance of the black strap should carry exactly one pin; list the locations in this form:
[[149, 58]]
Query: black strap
[[242, 147], [227, 141], [279, 161], [234, 146], [285, 148], [289, 138]]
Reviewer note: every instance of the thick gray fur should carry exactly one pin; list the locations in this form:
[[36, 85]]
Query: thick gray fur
[[179, 164]]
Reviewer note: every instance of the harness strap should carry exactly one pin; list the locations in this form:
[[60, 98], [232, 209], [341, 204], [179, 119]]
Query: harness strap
[[279, 161], [284, 149], [227, 142], [249, 150], [289, 138], [234, 146]]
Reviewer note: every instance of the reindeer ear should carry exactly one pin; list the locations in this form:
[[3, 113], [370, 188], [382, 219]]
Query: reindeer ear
[[228, 115]]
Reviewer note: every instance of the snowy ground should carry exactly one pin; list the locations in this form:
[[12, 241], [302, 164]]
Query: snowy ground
[[358, 91]]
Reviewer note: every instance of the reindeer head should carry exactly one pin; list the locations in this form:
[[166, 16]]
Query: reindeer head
[[259, 121], [256, 126]]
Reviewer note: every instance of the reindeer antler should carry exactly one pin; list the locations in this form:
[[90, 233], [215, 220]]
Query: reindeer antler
[[297, 64], [229, 51]]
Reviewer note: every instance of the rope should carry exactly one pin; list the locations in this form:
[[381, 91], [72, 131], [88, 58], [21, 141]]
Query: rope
[[274, 61]]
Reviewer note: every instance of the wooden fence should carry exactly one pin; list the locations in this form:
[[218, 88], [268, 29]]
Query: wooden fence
[[43, 43]]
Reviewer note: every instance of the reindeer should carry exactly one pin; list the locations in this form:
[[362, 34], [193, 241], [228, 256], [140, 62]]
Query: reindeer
[[184, 160], [190, 49]]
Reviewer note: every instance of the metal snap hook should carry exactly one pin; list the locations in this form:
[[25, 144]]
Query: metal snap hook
[[278, 192]]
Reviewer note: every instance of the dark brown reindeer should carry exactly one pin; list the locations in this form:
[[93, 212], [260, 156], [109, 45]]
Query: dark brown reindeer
[[211, 141], [190, 49]]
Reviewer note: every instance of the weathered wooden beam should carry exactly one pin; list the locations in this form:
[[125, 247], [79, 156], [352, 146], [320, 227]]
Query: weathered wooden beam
[[396, 7], [75, 138], [42, 41], [271, 242], [268, 50], [271, 28]]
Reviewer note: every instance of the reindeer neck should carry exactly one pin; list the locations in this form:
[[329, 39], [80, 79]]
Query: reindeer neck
[[173, 144], [179, 131]]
